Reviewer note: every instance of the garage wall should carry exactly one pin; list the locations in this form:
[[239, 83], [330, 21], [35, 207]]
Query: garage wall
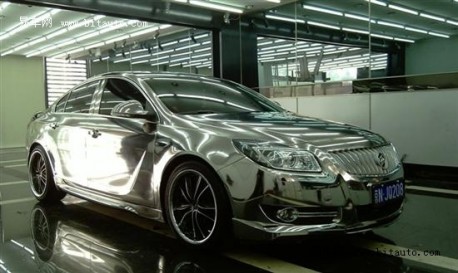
[[22, 94], [434, 55], [423, 125]]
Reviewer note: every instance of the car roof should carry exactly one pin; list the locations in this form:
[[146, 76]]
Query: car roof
[[150, 74]]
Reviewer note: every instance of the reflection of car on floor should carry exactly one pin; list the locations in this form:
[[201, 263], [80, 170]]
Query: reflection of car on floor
[[211, 157], [74, 239]]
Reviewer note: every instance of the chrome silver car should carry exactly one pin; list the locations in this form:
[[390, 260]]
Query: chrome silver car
[[212, 158]]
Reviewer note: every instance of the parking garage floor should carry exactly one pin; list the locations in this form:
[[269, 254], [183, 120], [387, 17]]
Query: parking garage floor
[[79, 236]]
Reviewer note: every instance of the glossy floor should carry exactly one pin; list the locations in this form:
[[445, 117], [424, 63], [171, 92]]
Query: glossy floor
[[78, 236]]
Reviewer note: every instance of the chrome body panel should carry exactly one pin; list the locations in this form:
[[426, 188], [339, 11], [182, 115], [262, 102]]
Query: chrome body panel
[[121, 162]]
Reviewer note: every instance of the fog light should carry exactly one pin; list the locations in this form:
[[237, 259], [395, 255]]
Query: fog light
[[287, 214]]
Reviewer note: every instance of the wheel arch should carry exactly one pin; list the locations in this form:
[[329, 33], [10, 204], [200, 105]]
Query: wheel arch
[[173, 163], [48, 155]]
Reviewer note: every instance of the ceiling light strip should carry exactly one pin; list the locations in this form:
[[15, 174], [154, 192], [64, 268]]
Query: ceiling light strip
[[286, 19], [406, 10], [215, 6], [323, 10]]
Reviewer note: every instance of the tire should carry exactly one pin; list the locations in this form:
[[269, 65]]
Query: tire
[[197, 207], [41, 177]]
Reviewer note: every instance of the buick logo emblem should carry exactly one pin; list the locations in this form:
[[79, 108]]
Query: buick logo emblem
[[381, 161]]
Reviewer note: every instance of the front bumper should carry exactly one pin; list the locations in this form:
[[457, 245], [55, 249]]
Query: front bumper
[[333, 201]]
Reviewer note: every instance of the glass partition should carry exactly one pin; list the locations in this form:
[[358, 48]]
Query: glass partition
[[168, 48], [321, 47]]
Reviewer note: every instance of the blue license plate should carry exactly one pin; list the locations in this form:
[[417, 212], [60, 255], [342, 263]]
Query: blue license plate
[[387, 192]]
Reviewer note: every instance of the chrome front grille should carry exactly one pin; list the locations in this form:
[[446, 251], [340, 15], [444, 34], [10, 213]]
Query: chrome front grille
[[368, 161]]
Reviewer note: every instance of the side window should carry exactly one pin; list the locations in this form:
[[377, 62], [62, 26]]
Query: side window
[[61, 104], [117, 91], [80, 99]]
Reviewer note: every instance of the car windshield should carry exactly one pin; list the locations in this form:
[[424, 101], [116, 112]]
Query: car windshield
[[186, 95]]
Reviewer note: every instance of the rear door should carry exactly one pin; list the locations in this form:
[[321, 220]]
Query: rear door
[[70, 130]]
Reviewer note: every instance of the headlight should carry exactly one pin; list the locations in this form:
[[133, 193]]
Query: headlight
[[279, 157]]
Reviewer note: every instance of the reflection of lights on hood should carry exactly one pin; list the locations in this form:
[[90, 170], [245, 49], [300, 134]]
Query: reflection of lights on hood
[[343, 143]]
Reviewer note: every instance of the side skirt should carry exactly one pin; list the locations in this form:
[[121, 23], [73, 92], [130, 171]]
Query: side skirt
[[104, 199]]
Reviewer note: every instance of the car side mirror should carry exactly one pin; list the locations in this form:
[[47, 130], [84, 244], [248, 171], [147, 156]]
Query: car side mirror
[[132, 109]]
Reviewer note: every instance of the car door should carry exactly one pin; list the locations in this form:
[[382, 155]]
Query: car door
[[119, 148], [69, 131]]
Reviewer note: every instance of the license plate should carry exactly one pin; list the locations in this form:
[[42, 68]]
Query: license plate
[[387, 192]]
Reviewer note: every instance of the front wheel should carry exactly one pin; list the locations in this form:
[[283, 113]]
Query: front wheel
[[41, 177], [196, 205]]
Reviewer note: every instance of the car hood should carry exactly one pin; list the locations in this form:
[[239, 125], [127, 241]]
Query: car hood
[[288, 129]]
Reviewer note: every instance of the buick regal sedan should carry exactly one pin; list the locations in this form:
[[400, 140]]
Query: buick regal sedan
[[211, 158]]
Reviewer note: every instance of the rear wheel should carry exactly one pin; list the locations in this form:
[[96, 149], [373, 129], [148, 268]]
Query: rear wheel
[[41, 177], [196, 205]]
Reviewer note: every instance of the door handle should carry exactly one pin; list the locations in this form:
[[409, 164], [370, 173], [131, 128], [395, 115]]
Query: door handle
[[94, 133], [54, 125]]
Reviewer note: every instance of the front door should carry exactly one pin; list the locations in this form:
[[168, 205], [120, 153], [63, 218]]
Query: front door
[[118, 149]]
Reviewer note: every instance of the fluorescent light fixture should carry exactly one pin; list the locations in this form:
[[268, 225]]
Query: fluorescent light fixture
[[380, 3], [117, 39], [56, 33], [358, 17], [286, 19], [159, 58], [75, 50], [140, 62], [202, 55], [181, 1], [322, 10], [437, 18], [36, 41], [66, 43], [186, 47], [333, 52], [180, 59], [215, 6], [438, 34], [389, 24], [381, 36], [416, 30], [404, 40], [274, 60], [4, 5], [98, 17], [8, 52], [87, 36], [162, 52], [322, 25], [266, 58], [355, 30], [264, 43], [32, 54], [406, 10], [94, 45], [4, 36], [164, 26], [274, 47], [200, 50], [21, 47], [170, 43], [452, 22], [201, 36], [274, 1]]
